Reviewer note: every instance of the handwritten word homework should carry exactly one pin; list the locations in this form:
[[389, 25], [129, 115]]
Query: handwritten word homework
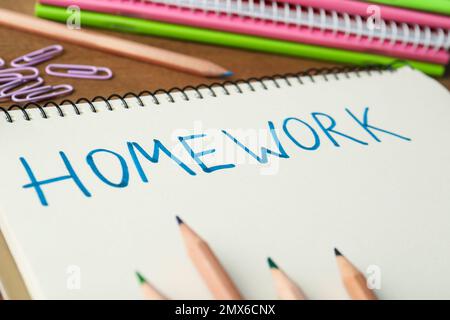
[[323, 127]]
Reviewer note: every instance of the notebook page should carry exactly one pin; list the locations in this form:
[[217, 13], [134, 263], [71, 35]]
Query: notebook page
[[377, 190]]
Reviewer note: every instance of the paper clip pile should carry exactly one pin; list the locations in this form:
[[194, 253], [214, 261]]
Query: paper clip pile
[[21, 82]]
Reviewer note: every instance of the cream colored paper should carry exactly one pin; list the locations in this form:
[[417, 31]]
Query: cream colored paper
[[385, 205]]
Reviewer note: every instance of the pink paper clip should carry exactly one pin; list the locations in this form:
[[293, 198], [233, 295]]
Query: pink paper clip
[[38, 56], [42, 93], [23, 72], [6, 90], [79, 71]]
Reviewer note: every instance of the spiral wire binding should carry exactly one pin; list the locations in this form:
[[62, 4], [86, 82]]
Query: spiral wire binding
[[211, 88], [287, 13]]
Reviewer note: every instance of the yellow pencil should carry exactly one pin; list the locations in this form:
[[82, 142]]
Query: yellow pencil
[[285, 287], [207, 264], [148, 291], [113, 45], [354, 281]]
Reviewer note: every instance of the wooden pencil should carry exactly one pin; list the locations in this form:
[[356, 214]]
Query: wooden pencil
[[207, 264], [285, 287], [354, 281], [148, 291], [112, 45]]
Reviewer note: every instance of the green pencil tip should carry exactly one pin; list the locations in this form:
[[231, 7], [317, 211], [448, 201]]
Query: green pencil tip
[[141, 278], [227, 74], [179, 220], [272, 264]]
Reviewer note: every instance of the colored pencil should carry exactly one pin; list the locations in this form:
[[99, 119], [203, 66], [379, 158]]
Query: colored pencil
[[285, 287], [113, 45], [207, 264], [161, 29], [148, 291], [354, 281]]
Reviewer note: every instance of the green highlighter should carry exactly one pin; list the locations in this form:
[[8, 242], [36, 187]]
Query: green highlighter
[[181, 32]]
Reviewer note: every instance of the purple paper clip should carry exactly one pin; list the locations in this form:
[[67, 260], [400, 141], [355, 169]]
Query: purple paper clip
[[14, 73], [8, 77], [38, 56], [6, 90], [79, 71], [42, 93], [2, 63]]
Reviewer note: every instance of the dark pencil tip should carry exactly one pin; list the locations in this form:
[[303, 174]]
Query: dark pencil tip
[[179, 220], [272, 264], [337, 252], [227, 74], [140, 277]]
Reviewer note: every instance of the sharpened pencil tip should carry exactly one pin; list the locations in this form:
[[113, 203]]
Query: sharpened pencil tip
[[140, 277], [227, 74], [337, 252], [272, 264], [179, 220]]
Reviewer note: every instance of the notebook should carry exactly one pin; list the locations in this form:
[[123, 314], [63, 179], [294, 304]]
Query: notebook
[[438, 6], [287, 166], [423, 37]]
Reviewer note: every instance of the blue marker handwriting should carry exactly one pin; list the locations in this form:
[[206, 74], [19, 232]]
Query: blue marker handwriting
[[322, 128]]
